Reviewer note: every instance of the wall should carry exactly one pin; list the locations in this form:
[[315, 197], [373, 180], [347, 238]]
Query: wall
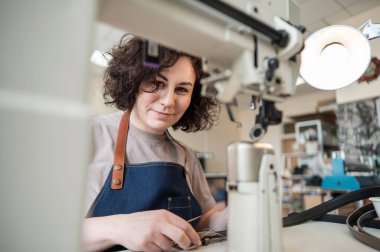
[[95, 91], [304, 104], [214, 141], [361, 91]]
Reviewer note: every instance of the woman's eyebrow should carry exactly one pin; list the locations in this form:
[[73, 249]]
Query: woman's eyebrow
[[163, 77], [181, 83], [185, 83]]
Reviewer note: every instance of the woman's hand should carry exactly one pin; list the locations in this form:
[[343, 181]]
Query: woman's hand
[[142, 231], [214, 219]]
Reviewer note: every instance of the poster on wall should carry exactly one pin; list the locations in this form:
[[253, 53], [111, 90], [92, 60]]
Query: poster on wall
[[359, 128]]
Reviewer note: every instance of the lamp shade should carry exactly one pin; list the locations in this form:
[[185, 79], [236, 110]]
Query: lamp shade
[[334, 57]]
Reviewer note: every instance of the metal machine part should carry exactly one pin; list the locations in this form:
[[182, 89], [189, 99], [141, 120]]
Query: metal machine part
[[150, 54], [271, 65], [268, 115], [243, 163], [254, 198]]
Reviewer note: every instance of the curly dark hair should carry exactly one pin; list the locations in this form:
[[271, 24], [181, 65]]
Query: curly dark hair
[[126, 71]]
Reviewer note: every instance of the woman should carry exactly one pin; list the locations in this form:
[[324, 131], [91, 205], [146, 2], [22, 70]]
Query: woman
[[156, 186]]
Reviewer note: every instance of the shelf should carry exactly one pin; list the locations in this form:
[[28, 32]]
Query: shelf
[[288, 136], [330, 144], [297, 177], [216, 175], [300, 154]]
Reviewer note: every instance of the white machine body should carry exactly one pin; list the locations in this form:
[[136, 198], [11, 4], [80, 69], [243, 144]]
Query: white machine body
[[255, 222], [45, 123]]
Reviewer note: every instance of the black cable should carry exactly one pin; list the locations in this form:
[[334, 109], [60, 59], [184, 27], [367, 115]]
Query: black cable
[[328, 206], [278, 37]]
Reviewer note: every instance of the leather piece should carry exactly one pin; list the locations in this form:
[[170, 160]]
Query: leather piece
[[358, 218], [328, 206], [119, 159]]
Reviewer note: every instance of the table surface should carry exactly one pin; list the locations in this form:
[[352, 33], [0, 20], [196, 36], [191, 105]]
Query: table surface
[[313, 237]]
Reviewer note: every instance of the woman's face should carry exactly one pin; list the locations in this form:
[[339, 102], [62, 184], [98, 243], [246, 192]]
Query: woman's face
[[155, 111]]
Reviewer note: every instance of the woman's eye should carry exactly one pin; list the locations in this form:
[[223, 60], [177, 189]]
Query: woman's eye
[[153, 86], [159, 84], [182, 90]]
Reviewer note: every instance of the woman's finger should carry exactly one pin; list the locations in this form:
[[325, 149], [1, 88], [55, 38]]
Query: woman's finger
[[152, 247], [186, 228], [163, 242], [177, 235]]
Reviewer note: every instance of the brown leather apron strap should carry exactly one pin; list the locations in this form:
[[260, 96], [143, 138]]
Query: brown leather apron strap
[[119, 159]]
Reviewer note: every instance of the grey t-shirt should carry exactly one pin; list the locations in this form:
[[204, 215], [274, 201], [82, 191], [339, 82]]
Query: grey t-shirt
[[141, 147]]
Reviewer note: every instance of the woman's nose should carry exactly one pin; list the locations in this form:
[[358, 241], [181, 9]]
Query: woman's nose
[[168, 98]]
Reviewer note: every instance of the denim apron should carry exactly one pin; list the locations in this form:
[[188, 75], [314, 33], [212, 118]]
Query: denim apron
[[133, 188]]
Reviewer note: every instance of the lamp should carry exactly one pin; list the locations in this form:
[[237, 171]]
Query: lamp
[[334, 57]]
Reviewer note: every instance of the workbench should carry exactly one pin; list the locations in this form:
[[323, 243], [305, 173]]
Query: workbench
[[313, 236]]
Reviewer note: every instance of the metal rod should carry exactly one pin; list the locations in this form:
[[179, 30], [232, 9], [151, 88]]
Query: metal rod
[[267, 97], [195, 218], [278, 37]]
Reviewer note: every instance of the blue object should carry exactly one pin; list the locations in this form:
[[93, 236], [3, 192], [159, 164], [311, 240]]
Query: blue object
[[339, 180]]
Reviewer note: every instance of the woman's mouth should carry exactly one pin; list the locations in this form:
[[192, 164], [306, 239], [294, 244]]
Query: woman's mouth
[[162, 115]]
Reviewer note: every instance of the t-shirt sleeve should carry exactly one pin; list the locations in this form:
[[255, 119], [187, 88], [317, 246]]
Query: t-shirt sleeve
[[200, 187], [103, 143]]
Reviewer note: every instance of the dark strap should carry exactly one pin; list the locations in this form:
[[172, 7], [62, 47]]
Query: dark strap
[[328, 206], [119, 159], [340, 219], [358, 218]]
